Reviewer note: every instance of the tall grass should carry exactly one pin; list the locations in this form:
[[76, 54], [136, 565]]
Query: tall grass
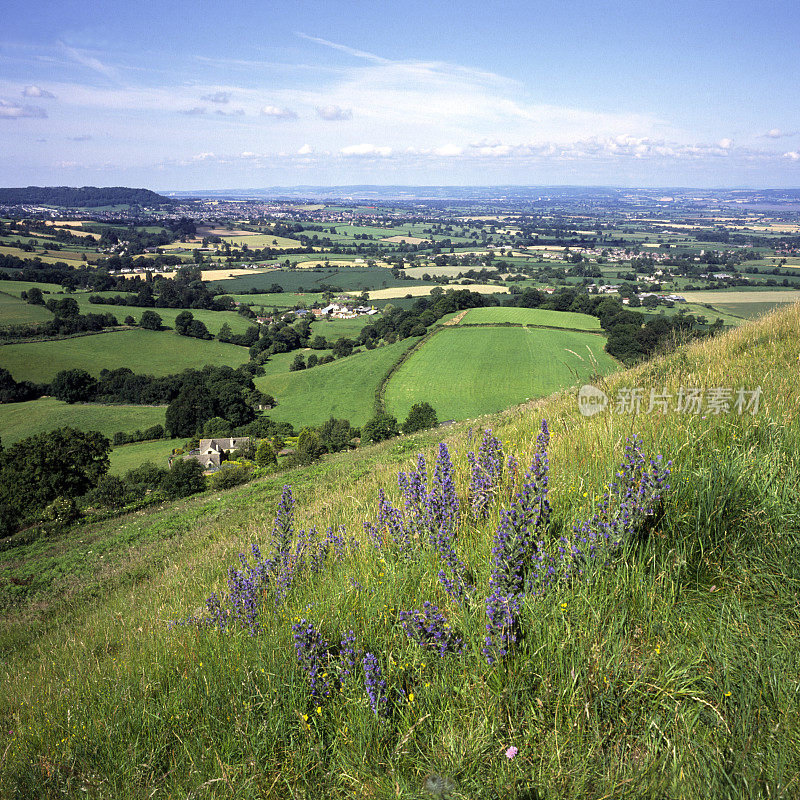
[[673, 672]]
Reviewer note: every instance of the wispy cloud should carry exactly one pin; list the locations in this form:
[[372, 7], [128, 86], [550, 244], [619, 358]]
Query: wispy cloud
[[195, 111], [37, 91], [85, 137], [82, 57], [234, 112], [777, 133], [217, 97], [334, 113], [350, 51], [12, 110], [277, 112]]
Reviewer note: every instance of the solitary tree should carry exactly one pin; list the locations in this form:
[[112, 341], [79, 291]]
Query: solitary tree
[[150, 321], [420, 417], [381, 426]]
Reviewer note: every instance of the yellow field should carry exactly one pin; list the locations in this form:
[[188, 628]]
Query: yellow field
[[51, 257], [405, 239], [337, 263], [787, 296], [212, 274], [423, 291]]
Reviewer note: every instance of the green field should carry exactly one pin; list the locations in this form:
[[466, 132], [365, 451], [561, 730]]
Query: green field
[[14, 311], [278, 299], [213, 320], [130, 456], [466, 372], [345, 278], [17, 287], [531, 316], [334, 329], [343, 389], [20, 420], [146, 352]]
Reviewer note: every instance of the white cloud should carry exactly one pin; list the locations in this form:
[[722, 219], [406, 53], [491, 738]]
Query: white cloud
[[725, 144], [37, 91], [278, 112], [449, 150], [774, 133], [12, 110], [305, 150], [203, 157], [793, 155], [195, 111], [217, 97], [234, 112], [333, 112], [366, 150]]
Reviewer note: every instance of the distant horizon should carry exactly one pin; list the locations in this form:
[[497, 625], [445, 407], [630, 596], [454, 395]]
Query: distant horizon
[[297, 186]]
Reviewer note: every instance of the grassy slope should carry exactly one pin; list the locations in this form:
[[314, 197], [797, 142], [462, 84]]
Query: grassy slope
[[531, 316], [213, 320], [18, 420], [674, 674], [14, 311], [344, 389], [17, 287], [466, 372], [148, 352], [128, 456]]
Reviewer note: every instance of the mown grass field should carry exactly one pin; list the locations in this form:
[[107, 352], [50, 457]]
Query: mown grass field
[[531, 316], [19, 420], [51, 256], [259, 241], [466, 372], [415, 290], [344, 388], [671, 670], [146, 352], [14, 311]]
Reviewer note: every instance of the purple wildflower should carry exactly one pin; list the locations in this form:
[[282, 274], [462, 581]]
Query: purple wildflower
[[313, 655], [428, 628], [375, 685]]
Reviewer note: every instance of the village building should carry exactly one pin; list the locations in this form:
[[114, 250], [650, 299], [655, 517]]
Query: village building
[[211, 452]]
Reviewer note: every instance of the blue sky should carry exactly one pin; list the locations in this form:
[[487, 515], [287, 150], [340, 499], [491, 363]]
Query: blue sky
[[179, 95]]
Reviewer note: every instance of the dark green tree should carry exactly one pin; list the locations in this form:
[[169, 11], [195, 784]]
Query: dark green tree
[[265, 455], [62, 463], [420, 417], [335, 435], [150, 321], [183, 321], [185, 477], [73, 386], [382, 426]]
